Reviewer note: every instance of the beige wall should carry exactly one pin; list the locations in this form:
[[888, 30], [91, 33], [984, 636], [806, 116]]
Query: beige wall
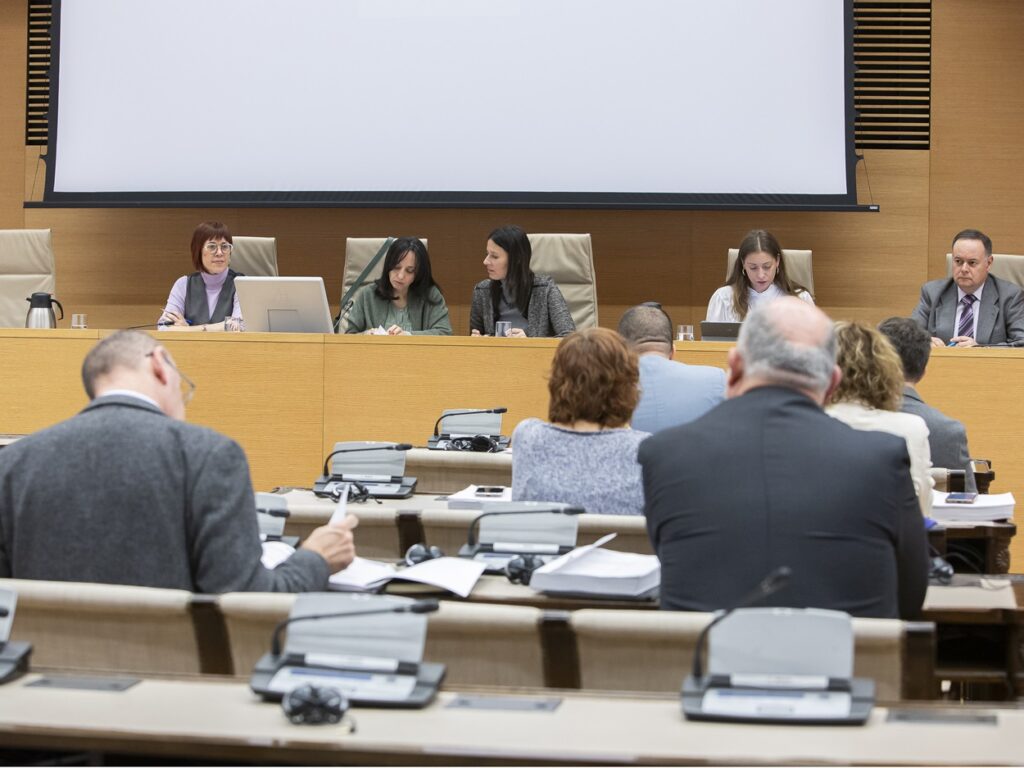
[[117, 264]]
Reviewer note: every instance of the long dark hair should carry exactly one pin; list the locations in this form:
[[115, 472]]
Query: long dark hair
[[519, 277], [757, 241], [423, 281]]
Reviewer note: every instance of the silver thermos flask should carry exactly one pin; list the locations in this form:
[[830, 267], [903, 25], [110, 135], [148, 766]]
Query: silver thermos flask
[[40, 311]]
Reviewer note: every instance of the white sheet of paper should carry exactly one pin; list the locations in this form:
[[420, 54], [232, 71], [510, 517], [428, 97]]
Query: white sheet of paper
[[362, 574], [275, 553], [456, 574], [997, 593]]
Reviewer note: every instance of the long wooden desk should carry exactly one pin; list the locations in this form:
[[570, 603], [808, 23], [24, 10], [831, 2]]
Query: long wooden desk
[[205, 719], [287, 398]]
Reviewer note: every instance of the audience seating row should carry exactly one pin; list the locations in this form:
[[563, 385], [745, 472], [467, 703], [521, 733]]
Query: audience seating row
[[147, 631]]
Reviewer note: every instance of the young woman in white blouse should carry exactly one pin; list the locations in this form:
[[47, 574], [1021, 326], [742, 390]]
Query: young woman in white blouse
[[758, 275]]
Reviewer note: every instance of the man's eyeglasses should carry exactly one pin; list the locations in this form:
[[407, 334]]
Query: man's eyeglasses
[[188, 387], [214, 247]]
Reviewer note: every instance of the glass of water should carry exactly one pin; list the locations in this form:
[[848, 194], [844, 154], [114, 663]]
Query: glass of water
[[502, 328], [78, 321], [685, 333]]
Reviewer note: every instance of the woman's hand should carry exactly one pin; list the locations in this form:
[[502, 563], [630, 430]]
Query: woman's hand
[[397, 330], [474, 332], [516, 333], [173, 318]]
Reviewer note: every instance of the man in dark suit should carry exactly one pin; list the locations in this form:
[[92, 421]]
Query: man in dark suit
[[127, 493], [947, 437], [767, 479], [971, 308]]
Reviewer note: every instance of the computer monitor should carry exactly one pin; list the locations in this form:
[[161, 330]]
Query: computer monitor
[[709, 330], [284, 304]]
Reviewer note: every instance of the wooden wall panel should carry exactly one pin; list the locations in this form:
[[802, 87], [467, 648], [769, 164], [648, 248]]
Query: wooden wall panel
[[13, 52], [977, 156]]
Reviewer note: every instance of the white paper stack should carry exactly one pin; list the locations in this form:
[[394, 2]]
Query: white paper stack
[[591, 570], [986, 508], [451, 574]]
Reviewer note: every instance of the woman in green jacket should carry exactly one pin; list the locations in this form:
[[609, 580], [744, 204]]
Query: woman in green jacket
[[405, 299]]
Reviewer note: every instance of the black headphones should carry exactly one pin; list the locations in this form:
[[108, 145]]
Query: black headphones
[[520, 568], [420, 553], [477, 443], [315, 705]]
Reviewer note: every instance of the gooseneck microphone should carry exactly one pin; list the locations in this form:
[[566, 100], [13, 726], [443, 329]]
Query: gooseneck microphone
[[474, 527], [395, 447], [437, 423], [420, 606], [342, 313], [769, 585]]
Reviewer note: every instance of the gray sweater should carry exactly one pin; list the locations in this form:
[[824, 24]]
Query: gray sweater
[[548, 313], [594, 470], [122, 494]]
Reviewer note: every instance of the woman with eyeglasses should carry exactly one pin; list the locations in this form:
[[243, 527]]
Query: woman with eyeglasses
[[206, 299]]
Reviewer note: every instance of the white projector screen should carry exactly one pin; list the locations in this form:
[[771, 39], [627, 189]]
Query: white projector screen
[[561, 103]]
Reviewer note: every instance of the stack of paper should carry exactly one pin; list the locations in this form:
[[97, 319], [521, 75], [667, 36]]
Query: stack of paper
[[987, 507], [591, 570], [451, 574]]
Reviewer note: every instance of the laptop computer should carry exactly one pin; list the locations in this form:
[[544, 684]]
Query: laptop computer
[[284, 304], [712, 331]]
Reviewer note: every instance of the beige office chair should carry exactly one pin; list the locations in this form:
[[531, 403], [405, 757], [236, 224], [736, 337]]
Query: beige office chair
[[653, 651], [569, 260], [798, 266], [1005, 266], [255, 256], [358, 253], [106, 627], [26, 267], [480, 644]]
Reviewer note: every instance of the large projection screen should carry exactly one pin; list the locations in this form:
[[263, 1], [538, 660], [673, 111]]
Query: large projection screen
[[550, 103]]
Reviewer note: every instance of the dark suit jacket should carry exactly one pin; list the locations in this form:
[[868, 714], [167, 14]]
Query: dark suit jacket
[[1000, 318], [768, 479], [122, 494], [947, 437]]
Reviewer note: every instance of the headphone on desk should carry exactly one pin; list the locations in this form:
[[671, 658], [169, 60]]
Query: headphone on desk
[[315, 705], [476, 443], [421, 553]]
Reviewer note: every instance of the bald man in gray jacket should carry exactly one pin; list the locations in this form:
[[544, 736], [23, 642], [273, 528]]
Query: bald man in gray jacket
[[126, 492]]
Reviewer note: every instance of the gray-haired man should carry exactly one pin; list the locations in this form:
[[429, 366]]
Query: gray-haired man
[[767, 479], [127, 493]]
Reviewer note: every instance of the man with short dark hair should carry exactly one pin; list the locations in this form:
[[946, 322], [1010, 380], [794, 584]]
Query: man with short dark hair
[[127, 493], [671, 392], [768, 479], [946, 437], [972, 307]]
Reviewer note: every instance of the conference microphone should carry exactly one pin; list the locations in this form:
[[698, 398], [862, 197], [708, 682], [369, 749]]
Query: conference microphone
[[471, 535], [437, 423], [341, 314], [769, 585], [395, 447], [420, 606]]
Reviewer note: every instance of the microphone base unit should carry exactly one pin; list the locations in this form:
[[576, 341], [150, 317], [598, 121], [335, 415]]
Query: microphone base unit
[[274, 676], [495, 562], [396, 488], [716, 699], [14, 656]]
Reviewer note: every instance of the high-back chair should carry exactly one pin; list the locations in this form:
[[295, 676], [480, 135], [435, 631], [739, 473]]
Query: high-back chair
[[255, 256], [1006, 266], [569, 260], [26, 267], [653, 651], [107, 627], [798, 266]]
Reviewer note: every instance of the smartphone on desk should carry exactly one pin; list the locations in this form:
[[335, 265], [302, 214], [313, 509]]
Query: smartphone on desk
[[961, 498], [490, 490]]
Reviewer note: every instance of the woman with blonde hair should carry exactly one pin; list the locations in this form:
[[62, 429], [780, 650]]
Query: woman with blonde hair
[[869, 396], [586, 455]]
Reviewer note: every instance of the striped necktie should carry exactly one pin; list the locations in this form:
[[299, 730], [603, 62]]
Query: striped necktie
[[966, 327]]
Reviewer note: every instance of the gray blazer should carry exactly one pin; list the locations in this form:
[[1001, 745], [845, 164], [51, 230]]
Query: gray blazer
[[1001, 318], [548, 315], [122, 494], [947, 437]]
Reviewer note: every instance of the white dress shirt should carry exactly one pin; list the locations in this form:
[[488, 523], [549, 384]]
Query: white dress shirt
[[720, 308]]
